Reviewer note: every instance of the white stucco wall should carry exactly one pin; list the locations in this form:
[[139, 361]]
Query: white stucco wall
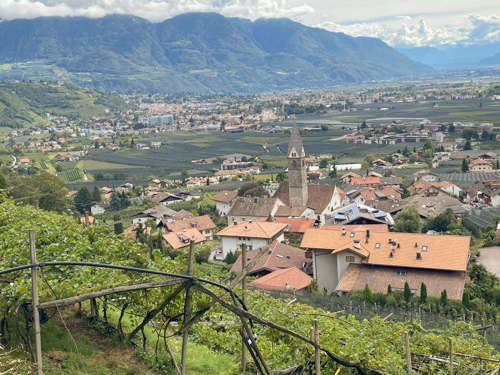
[[342, 263], [325, 269], [223, 207], [234, 243]]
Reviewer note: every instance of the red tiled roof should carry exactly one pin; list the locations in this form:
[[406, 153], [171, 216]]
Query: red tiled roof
[[297, 225], [176, 243], [277, 280], [279, 256], [365, 180], [355, 227], [253, 229]]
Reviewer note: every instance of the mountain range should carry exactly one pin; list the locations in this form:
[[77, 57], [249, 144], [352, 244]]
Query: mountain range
[[456, 56], [197, 52]]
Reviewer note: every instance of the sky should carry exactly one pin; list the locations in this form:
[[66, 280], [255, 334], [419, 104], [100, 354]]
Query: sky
[[400, 23]]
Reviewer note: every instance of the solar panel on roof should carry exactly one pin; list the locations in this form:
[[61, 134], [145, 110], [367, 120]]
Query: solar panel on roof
[[380, 214], [351, 191]]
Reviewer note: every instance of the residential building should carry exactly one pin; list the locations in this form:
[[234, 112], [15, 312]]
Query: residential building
[[223, 201], [366, 181], [254, 234], [166, 119], [296, 226], [203, 224], [346, 179], [291, 280], [156, 213], [165, 198], [345, 261], [480, 165], [358, 214], [180, 240], [427, 205], [485, 192], [279, 256], [253, 208]]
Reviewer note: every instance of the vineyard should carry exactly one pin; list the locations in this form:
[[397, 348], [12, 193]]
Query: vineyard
[[43, 165], [70, 175], [346, 345]]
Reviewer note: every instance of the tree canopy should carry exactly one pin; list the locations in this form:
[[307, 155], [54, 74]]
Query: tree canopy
[[252, 189], [408, 220]]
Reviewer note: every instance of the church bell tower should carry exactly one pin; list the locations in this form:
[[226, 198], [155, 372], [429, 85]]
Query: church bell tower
[[297, 173]]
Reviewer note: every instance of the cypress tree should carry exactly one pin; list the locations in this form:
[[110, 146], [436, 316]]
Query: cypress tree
[[367, 294], [159, 244], [498, 164], [389, 289], [465, 166], [466, 300], [407, 292], [423, 293], [119, 226], [444, 298]]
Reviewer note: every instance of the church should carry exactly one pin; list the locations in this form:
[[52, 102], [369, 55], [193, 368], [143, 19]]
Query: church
[[297, 197]]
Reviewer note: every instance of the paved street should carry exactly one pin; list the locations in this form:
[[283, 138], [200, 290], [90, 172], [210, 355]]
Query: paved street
[[490, 258]]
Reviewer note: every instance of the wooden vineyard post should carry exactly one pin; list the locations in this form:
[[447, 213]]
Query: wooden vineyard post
[[408, 355], [187, 307], [87, 220], [244, 285], [34, 305], [451, 356], [317, 362]]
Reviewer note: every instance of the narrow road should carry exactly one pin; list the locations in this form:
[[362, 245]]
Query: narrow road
[[338, 139], [14, 162]]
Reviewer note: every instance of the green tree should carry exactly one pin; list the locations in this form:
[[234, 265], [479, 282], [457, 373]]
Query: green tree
[[98, 176], [363, 125], [231, 257], [159, 241], [465, 166], [467, 146], [407, 292], [56, 198], [466, 300], [323, 163], [469, 133], [423, 293], [367, 161], [59, 167], [3, 181], [252, 189], [408, 220], [184, 175], [451, 128], [116, 203], [389, 289], [202, 254], [83, 199], [367, 294], [119, 226], [96, 195], [444, 298], [429, 145], [312, 288]]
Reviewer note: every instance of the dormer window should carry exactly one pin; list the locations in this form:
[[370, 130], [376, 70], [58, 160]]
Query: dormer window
[[294, 155]]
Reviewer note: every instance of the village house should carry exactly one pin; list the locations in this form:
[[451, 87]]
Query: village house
[[296, 226], [180, 240], [487, 192], [223, 201], [425, 175], [366, 181], [288, 280], [346, 179], [252, 208], [480, 165], [203, 224], [156, 213], [359, 214], [279, 256], [253, 234], [349, 260]]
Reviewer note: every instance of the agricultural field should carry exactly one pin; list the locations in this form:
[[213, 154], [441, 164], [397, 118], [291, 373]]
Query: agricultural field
[[70, 175]]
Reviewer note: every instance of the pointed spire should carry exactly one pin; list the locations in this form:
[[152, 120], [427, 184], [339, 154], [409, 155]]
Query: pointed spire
[[295, 140]]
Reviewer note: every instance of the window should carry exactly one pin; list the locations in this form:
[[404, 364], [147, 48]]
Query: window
[[424, 248], [239, 238], [249, 247], [242, 219], [352, 234], [294, 155], [377, 246], [349, 258], [400, 273]]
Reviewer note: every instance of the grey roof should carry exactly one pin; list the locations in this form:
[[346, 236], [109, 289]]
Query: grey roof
[[296, 140], [158, 212], [481, 217], [427, 206], [391, 180], [252, 207]]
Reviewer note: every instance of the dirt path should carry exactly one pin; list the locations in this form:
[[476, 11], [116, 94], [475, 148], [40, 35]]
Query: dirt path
[[490, 258]]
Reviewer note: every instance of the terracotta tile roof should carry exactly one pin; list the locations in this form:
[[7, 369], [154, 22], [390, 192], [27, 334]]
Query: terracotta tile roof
[[341, 194], [365, 180], [319, 196], [379, 277], [91, 220], [286, 211], [289, 256], [175, 241], [297, 225], [182, 214], [419, 186], [350, 174], [355, 227], [254, 229], [278, 279], [421, 172], [225, 196], [250, 207], [130, 231], [201, 223], [442, 251], [479, 162]]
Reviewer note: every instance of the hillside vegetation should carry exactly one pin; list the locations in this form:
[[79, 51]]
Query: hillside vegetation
[[24, 104], [372, 344], [195, 52]]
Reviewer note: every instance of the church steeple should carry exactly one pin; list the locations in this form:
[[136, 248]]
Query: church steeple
[[297, 174]]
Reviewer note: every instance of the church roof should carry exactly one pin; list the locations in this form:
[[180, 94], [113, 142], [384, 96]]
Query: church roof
[[295, 141], [319, 196]]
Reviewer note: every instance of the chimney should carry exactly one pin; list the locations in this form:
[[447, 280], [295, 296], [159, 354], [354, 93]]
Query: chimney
[[416, 245], [235, 223], [391, 255], [390, 240], [399, 246], [367, 233], [250, 221], [183, 229], [419, 256], [225, 193], [356, 244], [343, 231]]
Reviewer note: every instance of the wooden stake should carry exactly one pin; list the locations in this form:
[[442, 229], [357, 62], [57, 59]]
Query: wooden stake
[[34, 306], [451, 356], [408, 355], [316, 349], [87, 221], [244, 285], [187, 307]]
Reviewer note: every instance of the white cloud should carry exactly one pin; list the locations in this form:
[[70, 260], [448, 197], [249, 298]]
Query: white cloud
[[471, 29], [155, 10]]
